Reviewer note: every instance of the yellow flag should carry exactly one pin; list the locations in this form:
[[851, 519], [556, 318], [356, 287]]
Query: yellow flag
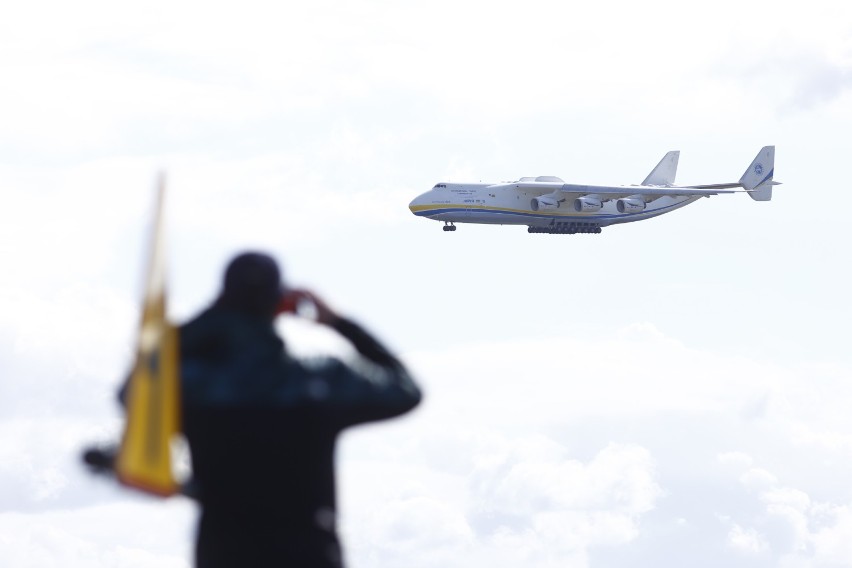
[[153, 395]]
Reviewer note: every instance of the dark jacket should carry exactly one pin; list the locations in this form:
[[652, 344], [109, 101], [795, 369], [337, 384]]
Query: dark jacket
[[262, 426]]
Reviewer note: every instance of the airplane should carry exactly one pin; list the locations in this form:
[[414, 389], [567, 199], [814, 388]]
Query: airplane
[[546, 204]]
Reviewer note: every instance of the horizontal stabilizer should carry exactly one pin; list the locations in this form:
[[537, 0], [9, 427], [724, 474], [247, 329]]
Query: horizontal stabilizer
[[763, 192]]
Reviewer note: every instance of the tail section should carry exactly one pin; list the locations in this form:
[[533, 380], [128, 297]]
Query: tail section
[[757, 179], [664, 173]]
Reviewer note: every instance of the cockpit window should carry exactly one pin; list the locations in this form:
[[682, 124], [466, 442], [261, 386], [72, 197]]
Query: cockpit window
[[437, 185]]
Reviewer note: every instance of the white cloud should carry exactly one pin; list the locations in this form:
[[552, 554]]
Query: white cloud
[[618, 479], [526, 485], [833, 540], [133, 535], [737, 460], [790, 525], [747, 540], [532, 503], [575, 375], [758, 478]]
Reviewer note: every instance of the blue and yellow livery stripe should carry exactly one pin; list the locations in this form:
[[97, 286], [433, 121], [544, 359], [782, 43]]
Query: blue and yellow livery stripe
[[439, 209]]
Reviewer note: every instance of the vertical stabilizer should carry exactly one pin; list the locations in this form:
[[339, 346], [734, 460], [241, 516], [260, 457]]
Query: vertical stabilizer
[[757, 179], [664, 173]]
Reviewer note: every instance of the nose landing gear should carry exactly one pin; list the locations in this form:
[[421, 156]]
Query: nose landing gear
[[448, 226]]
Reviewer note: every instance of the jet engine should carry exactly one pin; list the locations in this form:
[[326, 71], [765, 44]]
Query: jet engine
[[630, 205], [587, 203], [543, 203]]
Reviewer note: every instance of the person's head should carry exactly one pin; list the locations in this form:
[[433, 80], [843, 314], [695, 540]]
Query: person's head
[[252, 285]]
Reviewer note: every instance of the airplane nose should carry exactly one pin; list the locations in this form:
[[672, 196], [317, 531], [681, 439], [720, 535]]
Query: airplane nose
[[415, 203]]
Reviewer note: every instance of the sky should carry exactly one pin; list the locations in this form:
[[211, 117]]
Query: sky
[[667, 393]]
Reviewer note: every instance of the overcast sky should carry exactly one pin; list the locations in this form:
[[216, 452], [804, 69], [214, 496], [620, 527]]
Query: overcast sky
[[667, 393]]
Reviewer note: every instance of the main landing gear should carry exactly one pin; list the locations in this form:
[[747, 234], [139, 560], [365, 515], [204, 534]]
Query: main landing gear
[[567, 229], [448, 226]]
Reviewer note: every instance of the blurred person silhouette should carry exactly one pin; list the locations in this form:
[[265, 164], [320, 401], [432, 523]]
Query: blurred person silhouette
[[262, 425]]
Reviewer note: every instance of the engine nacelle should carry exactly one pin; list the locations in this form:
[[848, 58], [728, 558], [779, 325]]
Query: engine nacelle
[[587, 203], [543, 203], [630, 205]]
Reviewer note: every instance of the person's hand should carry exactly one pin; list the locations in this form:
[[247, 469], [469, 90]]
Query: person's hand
[[290, 303]]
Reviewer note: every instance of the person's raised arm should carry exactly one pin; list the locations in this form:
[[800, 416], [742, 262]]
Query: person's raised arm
[[389, 392]]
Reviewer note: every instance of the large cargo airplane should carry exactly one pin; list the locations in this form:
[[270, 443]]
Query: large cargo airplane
[[546, 204]]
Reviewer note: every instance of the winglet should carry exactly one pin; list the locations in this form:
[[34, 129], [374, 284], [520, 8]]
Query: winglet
[[757, 179], [664, 173]]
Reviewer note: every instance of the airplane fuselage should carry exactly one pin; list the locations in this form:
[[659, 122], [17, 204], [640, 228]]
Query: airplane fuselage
[[505, 205]]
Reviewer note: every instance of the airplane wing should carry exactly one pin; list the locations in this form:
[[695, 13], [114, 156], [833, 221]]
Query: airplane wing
[[757, 182], [572, 191], [617, 192]]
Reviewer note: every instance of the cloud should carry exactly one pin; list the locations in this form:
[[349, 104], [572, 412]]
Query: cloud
[[799, 80], [790, 527], [749, 541], [611, 462], [180, 77], [535, 475], [127, 535], [833, 541], [530, 503], [552, 450], [639, 371]]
